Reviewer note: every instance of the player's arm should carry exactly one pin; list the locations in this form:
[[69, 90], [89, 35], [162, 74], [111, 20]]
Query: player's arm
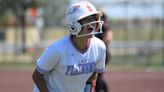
[[91, 83], [38, 78], [108, 36]]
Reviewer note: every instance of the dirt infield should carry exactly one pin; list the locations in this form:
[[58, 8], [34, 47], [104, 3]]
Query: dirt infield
[[20, 81], [135, 81]]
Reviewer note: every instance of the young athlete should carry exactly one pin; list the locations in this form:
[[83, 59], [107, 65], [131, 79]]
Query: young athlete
[[106, 37], [72, 63]]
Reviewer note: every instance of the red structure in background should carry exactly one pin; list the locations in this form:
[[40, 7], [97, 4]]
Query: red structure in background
[[34, 11]]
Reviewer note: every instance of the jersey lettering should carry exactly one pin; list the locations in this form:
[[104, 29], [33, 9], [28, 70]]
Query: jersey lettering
[[80, 69]]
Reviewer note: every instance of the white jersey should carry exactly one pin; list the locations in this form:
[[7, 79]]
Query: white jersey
[[66, 69]]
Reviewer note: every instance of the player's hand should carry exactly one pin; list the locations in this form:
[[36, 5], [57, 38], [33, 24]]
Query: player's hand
[[88, 87]]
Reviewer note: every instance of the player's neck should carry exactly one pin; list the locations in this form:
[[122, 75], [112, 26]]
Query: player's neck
[[81, 43]]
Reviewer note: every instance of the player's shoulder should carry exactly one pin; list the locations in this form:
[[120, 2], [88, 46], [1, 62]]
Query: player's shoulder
[[61, 43], [98, 42]]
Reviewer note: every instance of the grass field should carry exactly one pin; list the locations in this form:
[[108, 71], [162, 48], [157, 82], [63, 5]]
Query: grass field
[[126, 60], [111, 67]]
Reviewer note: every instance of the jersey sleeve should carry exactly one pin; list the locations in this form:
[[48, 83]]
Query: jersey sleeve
[[48, 60], [100, 64]]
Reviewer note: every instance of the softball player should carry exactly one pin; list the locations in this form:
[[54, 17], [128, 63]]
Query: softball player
[[72, 63], [106, 37]]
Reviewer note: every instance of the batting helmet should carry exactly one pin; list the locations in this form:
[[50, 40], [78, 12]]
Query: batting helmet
[[78, 11]]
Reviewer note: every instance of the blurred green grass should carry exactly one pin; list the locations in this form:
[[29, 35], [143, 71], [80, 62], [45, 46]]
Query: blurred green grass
[[138, 35], [118, 35], [151, 68], [17, 66], [116, 64], [125, 62], [154, 60]]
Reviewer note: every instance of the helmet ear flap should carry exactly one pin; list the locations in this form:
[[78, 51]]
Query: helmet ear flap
[[74, 28]]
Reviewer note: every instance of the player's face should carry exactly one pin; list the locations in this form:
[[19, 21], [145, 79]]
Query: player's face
[[90, 27]]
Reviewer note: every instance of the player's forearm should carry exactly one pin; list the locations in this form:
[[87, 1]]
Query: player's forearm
[[108, 36], [91, 83], [93, 77], [40, 82]]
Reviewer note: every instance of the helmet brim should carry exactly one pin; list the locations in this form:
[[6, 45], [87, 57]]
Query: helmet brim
[[84, 16]]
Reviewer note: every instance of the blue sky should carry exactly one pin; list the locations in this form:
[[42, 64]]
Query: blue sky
[[132, 11], [137, 9]]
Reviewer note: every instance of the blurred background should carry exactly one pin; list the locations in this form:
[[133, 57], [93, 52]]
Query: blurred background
[[27, 27]]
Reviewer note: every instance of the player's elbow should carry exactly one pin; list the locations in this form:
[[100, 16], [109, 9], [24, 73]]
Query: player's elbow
[[37, 76]]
